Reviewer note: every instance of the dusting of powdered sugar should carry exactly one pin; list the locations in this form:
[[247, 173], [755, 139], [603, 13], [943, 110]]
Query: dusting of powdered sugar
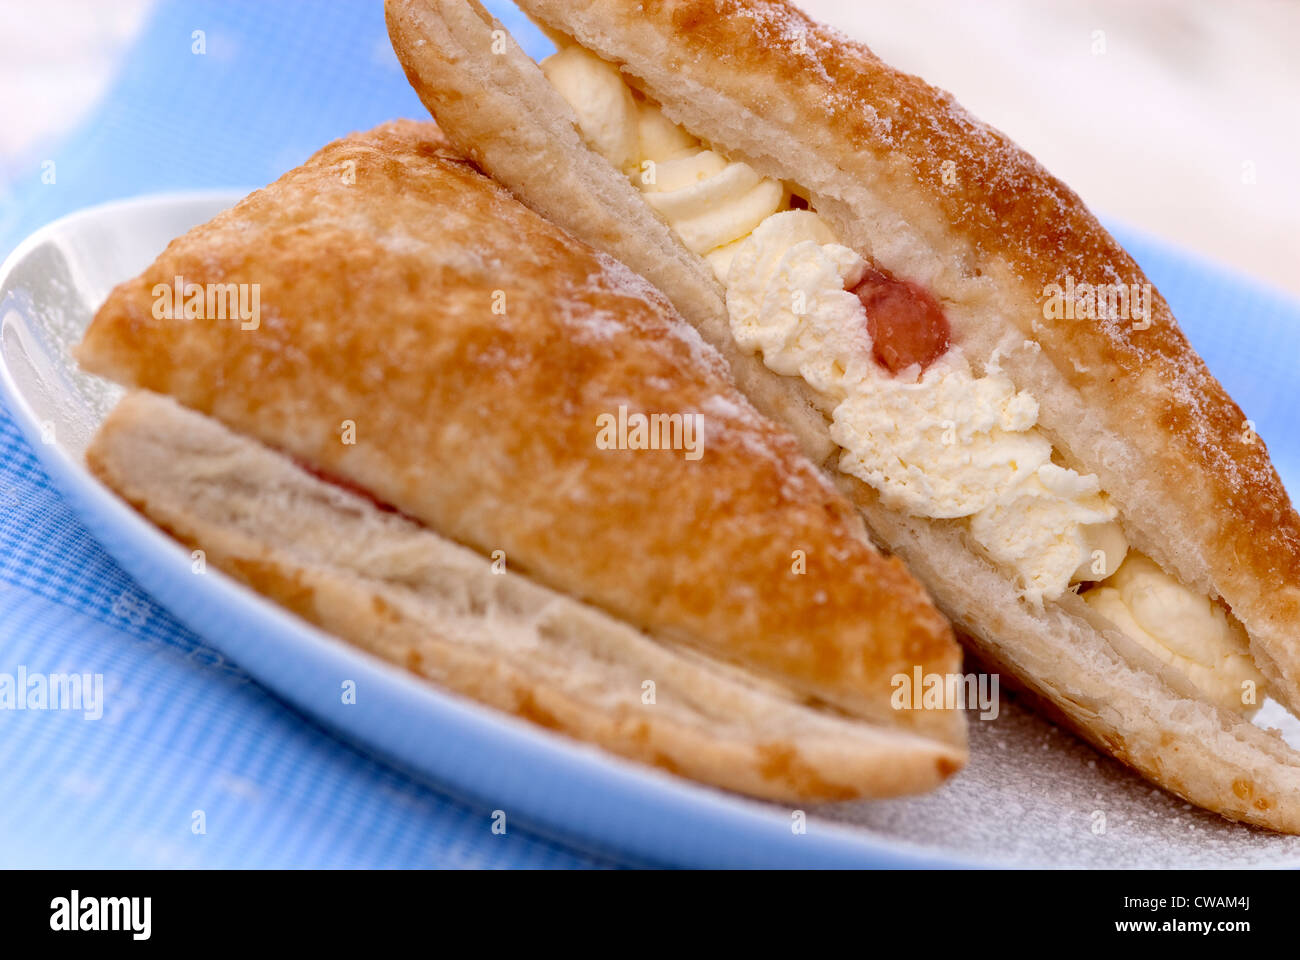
[[614, 278], [658, 326], [1034, 795]]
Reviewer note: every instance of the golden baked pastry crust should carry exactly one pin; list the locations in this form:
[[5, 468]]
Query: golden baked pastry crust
[[398, 590], [377, 310], [760, 102], [1000, 215]]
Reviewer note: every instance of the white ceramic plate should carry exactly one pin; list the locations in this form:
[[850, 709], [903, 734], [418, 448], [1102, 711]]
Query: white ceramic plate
[[1031, 795]]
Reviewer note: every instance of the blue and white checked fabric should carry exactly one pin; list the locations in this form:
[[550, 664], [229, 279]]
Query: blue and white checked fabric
[[183, 732], [187, 740]]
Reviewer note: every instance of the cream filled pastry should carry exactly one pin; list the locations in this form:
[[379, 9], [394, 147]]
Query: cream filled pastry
[[475, 533], [1081, 496], [938, 442]]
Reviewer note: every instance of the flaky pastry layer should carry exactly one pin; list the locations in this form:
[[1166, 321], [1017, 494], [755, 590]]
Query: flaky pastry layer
[[400, 591], [427, 338], [906, 177]]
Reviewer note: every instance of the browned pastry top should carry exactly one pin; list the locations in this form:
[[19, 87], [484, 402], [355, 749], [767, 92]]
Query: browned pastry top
[[1005, 217], [380, 262]]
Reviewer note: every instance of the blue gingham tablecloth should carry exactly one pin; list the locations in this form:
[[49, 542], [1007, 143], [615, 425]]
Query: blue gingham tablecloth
[[192, 764]]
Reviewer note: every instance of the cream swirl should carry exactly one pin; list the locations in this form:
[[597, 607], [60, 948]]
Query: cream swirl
[[937, 442], [709, 201], [945, 443], [1185, 630]]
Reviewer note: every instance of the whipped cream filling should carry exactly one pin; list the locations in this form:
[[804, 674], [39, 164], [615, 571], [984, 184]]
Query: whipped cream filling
[[1189, 632], [945, 442], [942, 443], [708, 200]]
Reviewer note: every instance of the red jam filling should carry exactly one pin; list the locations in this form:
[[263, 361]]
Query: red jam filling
[[906, 324], [344, 484]]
